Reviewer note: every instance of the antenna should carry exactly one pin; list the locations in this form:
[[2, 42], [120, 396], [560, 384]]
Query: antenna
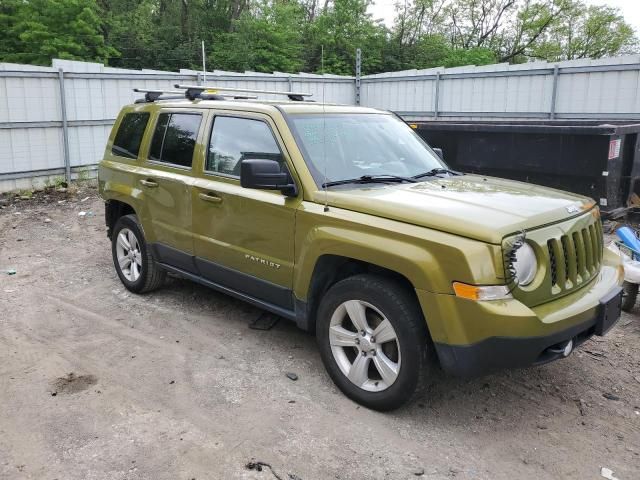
[[324, 133], [204, 65]]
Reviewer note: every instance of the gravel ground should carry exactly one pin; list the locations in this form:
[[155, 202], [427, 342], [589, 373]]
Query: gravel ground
[[98, 383]]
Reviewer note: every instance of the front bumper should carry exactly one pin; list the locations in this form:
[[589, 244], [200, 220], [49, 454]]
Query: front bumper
[[472, 338]]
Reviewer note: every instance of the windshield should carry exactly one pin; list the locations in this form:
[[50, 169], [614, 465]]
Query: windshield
[[352, 145]]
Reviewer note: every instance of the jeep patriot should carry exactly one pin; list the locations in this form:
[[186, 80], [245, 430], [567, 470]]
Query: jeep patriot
[[343, 220]]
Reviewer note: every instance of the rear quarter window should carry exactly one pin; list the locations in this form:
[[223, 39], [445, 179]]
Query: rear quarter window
[[174, 138], [129, 135]]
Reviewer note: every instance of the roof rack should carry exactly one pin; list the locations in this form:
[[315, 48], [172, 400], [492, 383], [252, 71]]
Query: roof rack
[[196, 91], [154, 95]]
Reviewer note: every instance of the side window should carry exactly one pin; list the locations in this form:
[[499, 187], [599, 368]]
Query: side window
[[174, 138], [233, 139], [129, 135]]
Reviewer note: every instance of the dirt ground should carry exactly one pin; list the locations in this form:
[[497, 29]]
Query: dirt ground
[[98, 383]]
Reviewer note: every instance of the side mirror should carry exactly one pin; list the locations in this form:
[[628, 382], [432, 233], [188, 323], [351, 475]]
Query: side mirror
[[266, 175], [439, 152]]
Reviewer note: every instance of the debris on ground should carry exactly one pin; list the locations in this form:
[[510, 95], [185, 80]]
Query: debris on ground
[[85, 199], [419, 472], [607, 473], [292, 376], [611, 396], [11, 271], [258, 466]]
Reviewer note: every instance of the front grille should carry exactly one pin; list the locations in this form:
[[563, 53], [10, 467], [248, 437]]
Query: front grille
[[575, 258]]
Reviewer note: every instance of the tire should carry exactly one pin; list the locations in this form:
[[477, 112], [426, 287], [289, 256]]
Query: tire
[[143, 273], [629, 295], [403, 359]]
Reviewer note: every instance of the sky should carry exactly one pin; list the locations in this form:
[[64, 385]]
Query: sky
[[630, 10]]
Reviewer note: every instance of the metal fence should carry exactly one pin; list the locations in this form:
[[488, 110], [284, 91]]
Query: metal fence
[[54, 121], [604, 89]]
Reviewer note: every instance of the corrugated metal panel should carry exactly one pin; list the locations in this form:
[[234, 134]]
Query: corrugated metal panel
[[28, 149], [585, 88]]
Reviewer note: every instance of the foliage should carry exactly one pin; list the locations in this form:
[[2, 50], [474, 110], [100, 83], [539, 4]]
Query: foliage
[[39, 30], [340, 29], [592, 32], [266, 38], [291, 35]]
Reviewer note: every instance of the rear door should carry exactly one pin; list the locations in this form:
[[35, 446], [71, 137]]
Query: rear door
[[244, 238], [165, 181]]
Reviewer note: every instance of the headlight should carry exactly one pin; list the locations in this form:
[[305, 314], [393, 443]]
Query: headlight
[[525, 264]]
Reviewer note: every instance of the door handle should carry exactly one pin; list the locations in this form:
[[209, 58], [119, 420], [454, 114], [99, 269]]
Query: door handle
[[149, 183], [210, 197]]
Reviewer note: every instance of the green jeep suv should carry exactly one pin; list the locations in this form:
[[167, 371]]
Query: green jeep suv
[[343, 220]]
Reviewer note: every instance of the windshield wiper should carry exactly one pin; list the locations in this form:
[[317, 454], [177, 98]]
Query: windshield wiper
[[437, 171], [370, 179]]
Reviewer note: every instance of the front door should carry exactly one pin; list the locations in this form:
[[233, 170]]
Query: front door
[[165, 181], [243, 238]]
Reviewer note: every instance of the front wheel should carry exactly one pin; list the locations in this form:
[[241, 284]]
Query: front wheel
[[134, 263], [373, 340]]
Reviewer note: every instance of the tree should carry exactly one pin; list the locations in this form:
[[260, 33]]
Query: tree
[[39, 30], [341, 28], [587, 32], [266, 38], [289, 35]]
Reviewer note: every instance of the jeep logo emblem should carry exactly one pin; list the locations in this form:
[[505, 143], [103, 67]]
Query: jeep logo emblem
[[573, 209]]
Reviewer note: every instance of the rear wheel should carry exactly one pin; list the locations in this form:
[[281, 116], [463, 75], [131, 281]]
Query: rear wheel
[[134, 263], [373, 341]]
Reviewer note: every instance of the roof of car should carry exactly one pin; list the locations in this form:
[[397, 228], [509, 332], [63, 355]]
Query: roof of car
[[264, 106]]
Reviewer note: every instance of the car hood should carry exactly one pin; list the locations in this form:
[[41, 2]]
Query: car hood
[[472, 206]]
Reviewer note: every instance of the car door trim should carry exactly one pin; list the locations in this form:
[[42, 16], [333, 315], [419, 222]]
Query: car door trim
[[267, 295], [166, 255], [245, 283]]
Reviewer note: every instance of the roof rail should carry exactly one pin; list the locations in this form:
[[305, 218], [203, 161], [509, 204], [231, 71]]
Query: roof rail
[[194, 91]]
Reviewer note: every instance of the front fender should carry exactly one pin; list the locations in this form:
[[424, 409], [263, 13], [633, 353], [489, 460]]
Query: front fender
[[429, 259]]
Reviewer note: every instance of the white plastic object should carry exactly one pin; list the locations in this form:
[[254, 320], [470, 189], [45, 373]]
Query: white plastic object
[[631, 267]]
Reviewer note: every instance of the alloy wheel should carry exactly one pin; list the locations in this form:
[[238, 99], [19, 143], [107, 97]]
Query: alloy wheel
[[364, 345], [129, 255]]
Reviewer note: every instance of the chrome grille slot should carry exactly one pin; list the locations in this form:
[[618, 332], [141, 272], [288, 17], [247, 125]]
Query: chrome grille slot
[[568, 252], [586, 241], [581, 260], [553, 267]]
